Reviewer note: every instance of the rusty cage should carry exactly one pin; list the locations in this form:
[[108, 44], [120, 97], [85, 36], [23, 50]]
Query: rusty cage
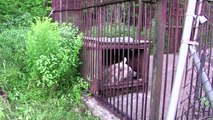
[[130, 53]]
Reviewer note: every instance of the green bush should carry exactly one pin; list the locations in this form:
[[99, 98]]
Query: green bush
[[39, 67], [41, 61], [20, 12], [12, 69], [42, 52], [12, 47], [52, 55]]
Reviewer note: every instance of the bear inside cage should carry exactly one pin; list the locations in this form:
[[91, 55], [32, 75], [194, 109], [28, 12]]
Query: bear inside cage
[[122, 64]]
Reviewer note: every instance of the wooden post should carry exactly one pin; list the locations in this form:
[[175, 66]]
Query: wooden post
[[158, 59]]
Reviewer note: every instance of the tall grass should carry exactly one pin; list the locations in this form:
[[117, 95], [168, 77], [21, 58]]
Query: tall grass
[[40, 73]]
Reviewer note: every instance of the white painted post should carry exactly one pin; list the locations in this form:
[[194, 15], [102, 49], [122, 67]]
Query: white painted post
[[182, 59]]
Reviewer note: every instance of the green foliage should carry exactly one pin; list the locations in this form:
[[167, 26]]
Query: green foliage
[[39, 64], [19, 12], [148, 31], [114, 30], [50, 109], [42, 61], [12, 52], [12, 47], [153, 36], [13, 81], [2, 108], [43, 52], [121, 30], [204, 102], [40, 72], [75, 94], [53, 55], [23, 20]]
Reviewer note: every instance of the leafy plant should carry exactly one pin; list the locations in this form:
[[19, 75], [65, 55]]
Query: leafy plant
[[205, 102], [12, 47], [50, 109], [2, 112], [53, 55], [18, 12], [43, 43], [12, 52], [40, 72]]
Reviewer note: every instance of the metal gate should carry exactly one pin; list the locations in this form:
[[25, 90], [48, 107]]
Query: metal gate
[[130, 51]]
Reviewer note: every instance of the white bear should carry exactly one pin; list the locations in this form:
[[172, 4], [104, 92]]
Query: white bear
[[118, 72]]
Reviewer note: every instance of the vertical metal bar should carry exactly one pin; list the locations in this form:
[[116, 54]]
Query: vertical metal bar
[[60, 14], [137, 22], [111, 50], [167, 65], [182, 57], [140, 52], [98, 58], [144, 56], [57, 13], [83, 50], [85, 24], [158, 59], [103, 54], [128, 16], [73, 13], [91, 68], [119, 48], [136, 45], [129, 85], [174, 35], [176, 3], [147, 57], [190, 93], [53, 8], [123, 52], [114, 54], [172, 40], [166, 80], [65, 12], [132, 25], [107, 51]]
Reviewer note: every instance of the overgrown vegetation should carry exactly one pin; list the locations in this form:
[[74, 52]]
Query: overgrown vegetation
[[114, 30], [121, 30], [40, 72], [52, 56], [39, 67], [50, 109], [14, 13]]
